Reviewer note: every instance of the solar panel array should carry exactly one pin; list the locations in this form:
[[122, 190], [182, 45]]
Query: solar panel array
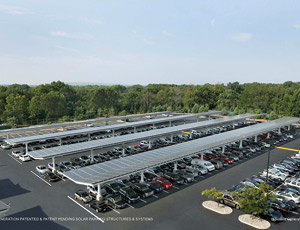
[[109, 170], [29, 139], [73, 123], [85, 146]]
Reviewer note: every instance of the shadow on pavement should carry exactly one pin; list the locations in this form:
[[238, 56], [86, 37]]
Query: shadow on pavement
[[9, 189]]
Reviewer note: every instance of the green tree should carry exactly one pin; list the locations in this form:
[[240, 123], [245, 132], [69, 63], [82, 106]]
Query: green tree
[[17, 107], [273, 116], [123, 113], [213, 193], [195, 108], [253, 200]]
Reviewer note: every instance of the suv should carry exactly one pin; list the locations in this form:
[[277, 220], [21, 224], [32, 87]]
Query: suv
[[228, 199], [83, 196], [143, 190], [112, 187], [173, 177], [129, 195]]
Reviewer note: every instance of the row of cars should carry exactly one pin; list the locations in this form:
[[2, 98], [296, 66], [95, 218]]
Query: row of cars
[[284, 177]]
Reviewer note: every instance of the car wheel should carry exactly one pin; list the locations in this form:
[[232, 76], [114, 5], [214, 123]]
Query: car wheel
[[237, 206]]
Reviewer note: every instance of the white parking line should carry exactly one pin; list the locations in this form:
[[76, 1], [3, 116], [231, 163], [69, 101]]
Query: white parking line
[[165, 191], [294, 212], [143, 200], [14, 159], [40, 178], [155, 196], [175, 187], [129, 205], [86, 209], [113, 209]]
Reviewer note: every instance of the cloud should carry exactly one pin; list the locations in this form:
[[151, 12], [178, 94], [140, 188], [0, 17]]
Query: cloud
[[297, 26], [63, 34], [148, 42], [242, 37], [212, 22], [14, 10], [91, 21], [166, 33]]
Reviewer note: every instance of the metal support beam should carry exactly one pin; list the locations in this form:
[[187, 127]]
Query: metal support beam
[[53, 164], [92, 155], [279, 130], [233, 125], [89, 136], [26, 148], [150, 145], [123, 151], [170, 123], [223, 149], [175, 166], [241, 144], [134, 129], [255, 139], [7, 136], [297, 124], [268, 136], [60, 141], [245, 122], [289, 127], [113, 133], [191, 135], [142, 177], [99, 196], [171, 137], [201, 156]]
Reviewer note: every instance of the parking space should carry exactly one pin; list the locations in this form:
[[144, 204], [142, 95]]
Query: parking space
[[182, 201]]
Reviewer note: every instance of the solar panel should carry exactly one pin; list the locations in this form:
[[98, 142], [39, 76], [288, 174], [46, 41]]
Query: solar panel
[[138, 162], [29, 139], [96, 144]]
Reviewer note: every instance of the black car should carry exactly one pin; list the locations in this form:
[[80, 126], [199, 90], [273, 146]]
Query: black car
[[279, 206], [51, 177], [142, 190], [112, 187], [115, 201], [174, 178], [291, 204], [77, 161], [99, 206], [129, 195], [273, 215], [155, 187]]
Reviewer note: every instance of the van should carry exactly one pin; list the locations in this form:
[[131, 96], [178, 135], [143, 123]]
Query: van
[[205, 164]]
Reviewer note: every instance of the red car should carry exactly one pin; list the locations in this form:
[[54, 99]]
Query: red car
[[163, 182], [225, 158]]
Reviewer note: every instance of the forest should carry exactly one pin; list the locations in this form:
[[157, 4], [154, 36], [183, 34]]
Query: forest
[[22, 105]]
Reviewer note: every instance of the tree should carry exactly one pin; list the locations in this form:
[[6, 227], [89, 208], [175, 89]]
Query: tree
[[17, 107], [253, 200], [213, 193], [273, 116], [195, 108], [123, 113]]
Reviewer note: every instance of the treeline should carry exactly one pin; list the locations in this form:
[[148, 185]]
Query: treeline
[[23, 105]]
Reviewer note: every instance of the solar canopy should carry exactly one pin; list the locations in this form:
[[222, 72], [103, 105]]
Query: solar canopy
[[102, 143], [62, 134], [110, 170], [40, 127]]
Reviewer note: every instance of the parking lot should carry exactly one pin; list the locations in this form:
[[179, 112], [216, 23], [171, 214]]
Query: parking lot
[[36, 197]]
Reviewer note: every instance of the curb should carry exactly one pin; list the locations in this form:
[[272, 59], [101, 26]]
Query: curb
[[216, 207], [254, 222]]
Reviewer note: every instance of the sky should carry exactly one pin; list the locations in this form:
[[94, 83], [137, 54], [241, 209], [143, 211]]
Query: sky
[[149, 41]]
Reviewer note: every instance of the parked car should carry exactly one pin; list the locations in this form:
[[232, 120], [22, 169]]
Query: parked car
[[41, 169], [292, 181], [93, 190], [173, 178], [112, 187], [51, 177], [188, 177], [228, 199], [17, 153], [155, 187], [279, 206], [99, 206], [163, 182], [83, 196], [289, 196], [142, 190], [24, 158], [129, 195], [273, 215]]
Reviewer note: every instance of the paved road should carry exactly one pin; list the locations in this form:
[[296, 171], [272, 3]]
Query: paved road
[[31, 197]]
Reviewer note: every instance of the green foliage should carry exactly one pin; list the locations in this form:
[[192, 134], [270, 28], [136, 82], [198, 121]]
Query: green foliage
[[212, 193], [254, 201], [123, 113], [21, 103]]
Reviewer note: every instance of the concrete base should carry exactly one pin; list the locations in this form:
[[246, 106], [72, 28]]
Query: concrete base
[[217, 207], [254, 222]]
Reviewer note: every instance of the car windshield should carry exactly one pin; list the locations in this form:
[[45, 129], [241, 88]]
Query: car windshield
[[117, 198], [114, 185], [164, 181], [143, 188], [130, 193], [43, 167]]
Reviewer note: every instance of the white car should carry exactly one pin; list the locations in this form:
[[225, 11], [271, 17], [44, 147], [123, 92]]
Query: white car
[[276, 174], [267, 145], [292, 181], [289, 196], [5, 146], [41, 169], [17, 153], [24, 158]]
